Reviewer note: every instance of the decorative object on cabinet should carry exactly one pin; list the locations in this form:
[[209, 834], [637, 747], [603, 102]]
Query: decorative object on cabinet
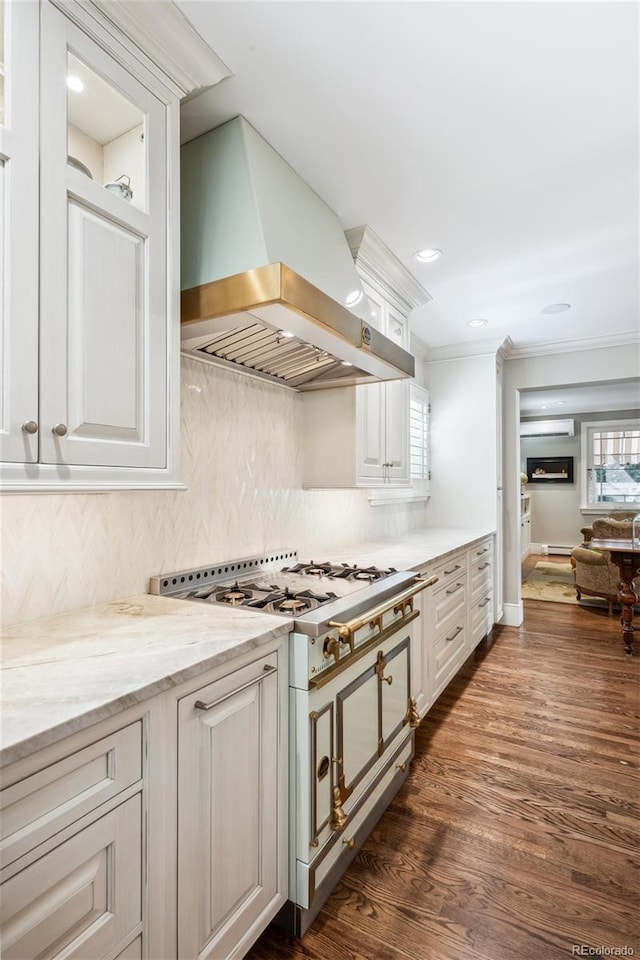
[[550, 469], [96, 264], [359, 437]]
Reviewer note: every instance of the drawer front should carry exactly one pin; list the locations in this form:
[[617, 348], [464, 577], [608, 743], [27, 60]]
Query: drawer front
[[481, 577], [481, 619], [37, 807], [133, 951], [481, 551], [448, 653], [452, 568], [449, 603], [81, 899]]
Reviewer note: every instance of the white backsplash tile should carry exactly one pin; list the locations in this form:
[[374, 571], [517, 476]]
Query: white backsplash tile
[[241, 461]]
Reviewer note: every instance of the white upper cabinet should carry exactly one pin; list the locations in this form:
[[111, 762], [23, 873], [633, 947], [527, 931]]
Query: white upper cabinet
[[359, 436], [104, 387], [89, 205], [19, 233]]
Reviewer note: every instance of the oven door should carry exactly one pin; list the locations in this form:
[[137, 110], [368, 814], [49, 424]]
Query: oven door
[[344, 734]]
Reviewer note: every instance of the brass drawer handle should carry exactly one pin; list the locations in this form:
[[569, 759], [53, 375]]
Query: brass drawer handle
[[454, 635], [401, 767], [453, 589], [350, 844], [453, 569]]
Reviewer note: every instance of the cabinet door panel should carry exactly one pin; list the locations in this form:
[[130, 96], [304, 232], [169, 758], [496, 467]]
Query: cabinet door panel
[[397, 407], [19, 235], [107, 266], [227, 873], [103, 338], [82, 898], [371, 419]]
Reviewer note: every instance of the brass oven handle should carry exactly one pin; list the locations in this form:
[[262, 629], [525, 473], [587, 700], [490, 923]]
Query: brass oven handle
[[267, 669], [347, 629], [388, 680]]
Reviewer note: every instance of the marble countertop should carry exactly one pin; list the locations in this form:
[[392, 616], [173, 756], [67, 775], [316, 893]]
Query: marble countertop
[[61, 674], [409, 552], [64, 673]]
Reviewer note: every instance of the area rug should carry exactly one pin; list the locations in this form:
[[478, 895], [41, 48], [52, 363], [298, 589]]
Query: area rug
[[550, 581]]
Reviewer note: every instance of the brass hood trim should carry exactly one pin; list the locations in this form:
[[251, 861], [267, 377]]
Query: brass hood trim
[[245, 297]]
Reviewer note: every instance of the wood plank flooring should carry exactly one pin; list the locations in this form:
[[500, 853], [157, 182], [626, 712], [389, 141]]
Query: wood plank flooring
[[516, 835]]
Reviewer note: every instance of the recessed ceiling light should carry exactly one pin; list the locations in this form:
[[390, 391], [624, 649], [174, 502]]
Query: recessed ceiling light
[[285, 333], [428, 255], [353, 298], [477, 323], [556, 308], [75, 83]]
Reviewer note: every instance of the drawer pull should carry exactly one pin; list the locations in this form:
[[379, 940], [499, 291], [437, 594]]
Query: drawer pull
[[453, 569], [350, 844], [401, 767], [267, 670], [484, 566], [453, 589], [455, 634], [479, 553], [484, 602]]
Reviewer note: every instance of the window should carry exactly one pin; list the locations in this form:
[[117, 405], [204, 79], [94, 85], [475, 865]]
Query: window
[[611, 463], [419, 459]]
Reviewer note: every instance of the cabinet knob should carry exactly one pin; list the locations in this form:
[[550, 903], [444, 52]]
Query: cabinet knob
[[60, 430], [30, 426], [349, 843]]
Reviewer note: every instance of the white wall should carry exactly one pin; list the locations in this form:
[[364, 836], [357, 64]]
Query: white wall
[[241, 460], [548, 370]]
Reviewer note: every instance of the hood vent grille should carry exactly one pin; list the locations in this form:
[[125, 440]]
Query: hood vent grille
[[266, 352]]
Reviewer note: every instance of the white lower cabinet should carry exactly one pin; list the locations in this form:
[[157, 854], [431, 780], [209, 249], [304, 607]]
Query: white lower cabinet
[[160, 833], [81, 899], [455, 615], [229, 883]]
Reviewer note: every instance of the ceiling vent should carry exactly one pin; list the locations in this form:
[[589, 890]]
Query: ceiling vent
[[546, 428]]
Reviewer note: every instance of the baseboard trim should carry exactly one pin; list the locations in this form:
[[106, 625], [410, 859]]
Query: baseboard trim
[[513, 614]]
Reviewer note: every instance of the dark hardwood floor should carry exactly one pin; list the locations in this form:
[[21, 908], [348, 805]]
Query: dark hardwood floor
[[516, 835]]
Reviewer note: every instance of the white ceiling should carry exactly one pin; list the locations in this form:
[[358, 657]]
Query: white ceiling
[[503, 133]]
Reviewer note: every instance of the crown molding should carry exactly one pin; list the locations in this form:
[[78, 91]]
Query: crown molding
[[160, 30], [572, 346], [373, 258], [466, 350]]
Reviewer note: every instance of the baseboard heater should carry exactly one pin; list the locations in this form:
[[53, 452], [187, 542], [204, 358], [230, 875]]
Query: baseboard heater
[[562, 549]]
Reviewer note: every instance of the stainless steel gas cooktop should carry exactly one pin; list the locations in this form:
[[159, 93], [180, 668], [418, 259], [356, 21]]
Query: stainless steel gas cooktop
[[279, 583]]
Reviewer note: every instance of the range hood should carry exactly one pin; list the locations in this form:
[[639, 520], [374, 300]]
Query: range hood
[[266, 270]]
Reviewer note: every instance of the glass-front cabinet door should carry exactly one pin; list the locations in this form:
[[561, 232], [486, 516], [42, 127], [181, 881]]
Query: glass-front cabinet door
[[19, 232], [103, 334]]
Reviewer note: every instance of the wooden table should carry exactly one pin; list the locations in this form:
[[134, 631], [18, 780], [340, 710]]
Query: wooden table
[[626, 557]]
